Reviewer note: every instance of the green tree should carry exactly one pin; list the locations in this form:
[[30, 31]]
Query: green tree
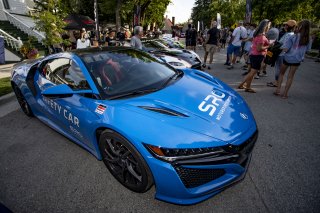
[[49, 19], [152, 11]]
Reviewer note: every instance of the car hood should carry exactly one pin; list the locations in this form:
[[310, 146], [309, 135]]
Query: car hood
[[197, 103]]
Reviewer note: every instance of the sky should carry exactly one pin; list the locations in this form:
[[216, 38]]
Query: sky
[[181, 9]]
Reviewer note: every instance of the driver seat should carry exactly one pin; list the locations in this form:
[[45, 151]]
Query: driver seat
[[111, 73]]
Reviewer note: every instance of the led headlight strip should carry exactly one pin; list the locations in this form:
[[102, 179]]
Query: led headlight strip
[[169, 154]]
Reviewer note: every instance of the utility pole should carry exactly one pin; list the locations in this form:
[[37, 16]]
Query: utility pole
[[96, 19]]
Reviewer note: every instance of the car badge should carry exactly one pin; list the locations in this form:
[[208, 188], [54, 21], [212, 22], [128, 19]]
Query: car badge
[[244, 116], [100, 109]]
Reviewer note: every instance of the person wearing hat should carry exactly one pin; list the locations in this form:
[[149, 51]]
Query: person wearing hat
[[289, 27], [294, 50]]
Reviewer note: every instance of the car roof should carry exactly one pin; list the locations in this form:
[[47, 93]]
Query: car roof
[[89, 50]]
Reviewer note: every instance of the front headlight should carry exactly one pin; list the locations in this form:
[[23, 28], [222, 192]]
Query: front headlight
[[170, 155]]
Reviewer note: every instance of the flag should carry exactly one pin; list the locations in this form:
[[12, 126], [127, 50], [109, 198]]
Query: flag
[[248, 11], [218, 21]]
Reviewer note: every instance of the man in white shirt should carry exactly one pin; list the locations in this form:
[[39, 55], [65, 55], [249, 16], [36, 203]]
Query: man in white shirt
[[135, 40], [233, 50]]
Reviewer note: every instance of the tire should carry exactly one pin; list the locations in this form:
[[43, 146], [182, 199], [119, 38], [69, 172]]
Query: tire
[[124, 162], [22, 101]]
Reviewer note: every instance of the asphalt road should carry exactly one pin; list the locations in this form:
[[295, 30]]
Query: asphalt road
[[42, 171]]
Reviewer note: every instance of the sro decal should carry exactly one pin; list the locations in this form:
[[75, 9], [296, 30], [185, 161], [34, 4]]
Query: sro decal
[[206, 105]]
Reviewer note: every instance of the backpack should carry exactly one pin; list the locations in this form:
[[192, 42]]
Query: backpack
[[273, 53]]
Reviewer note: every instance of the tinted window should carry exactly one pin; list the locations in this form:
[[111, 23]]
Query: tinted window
[[65, 71], [128, 70]]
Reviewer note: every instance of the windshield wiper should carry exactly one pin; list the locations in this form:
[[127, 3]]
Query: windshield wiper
[[133, 93], [173, 77]]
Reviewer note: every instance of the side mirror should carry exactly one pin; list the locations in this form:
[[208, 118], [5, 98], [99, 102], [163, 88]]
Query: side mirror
[[64, 91], [58, 91]]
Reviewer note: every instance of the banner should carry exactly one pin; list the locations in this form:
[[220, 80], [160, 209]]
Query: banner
[[218, 21], [248, 11], [136, 16]]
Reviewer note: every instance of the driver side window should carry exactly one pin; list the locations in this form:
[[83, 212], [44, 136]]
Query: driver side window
[[65, 71]]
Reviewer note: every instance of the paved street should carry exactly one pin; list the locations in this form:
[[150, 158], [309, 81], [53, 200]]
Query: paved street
[[42, 171]]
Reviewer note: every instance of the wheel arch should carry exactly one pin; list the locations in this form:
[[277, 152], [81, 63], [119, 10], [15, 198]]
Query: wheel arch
[[101, 129]]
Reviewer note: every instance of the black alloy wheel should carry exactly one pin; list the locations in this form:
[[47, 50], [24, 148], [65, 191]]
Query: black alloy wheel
[[22, 101], [124, 162]]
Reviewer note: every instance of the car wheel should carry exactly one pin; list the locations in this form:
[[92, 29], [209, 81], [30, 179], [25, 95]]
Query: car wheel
[[22, 101], [124, 162]]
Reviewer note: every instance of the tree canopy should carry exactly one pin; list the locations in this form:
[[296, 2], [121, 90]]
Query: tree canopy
[[277, 11], [49, 19]]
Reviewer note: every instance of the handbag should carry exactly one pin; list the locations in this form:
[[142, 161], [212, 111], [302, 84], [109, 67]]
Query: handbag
[[273, 53]]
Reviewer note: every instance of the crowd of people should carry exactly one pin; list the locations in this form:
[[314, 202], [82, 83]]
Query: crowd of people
[[259, 46]]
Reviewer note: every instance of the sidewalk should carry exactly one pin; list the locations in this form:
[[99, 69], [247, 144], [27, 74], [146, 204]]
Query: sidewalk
[[5, 70]]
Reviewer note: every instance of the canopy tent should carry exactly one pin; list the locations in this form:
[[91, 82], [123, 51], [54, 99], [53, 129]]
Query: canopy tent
[[77, 22]]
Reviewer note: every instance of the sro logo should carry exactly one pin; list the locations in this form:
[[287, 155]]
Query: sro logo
[[206, 105]]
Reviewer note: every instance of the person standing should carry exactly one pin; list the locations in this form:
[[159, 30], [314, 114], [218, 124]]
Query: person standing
[[83, 41], [135, 40], [212, 42], [121, 36], [289, 28], [233, 50], [223, 40], [188, 37], [111, 39], [247, 48], [294, 48], [260, 45], [193, 38]]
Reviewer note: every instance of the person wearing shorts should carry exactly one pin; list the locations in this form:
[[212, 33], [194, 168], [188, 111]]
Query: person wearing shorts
[[212, 41], [260, 45], [234, 47], [295, 48]]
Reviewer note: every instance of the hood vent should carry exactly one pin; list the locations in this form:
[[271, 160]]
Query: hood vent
[[208, 77], [164, 111]]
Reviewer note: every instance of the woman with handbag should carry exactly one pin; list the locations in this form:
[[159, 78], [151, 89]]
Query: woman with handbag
[[289, 28], [260, 45], [294, 48]]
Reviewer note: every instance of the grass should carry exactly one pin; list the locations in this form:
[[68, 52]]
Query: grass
[[5, 86]]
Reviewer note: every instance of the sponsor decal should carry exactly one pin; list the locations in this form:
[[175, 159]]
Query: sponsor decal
[[61, 111], [212, 101], [100, 109], [244, 116], [223, 108], [76, 132]]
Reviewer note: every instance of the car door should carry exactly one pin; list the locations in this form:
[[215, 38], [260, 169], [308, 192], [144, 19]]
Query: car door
[[45, 79], [77, 111], [72, 113]]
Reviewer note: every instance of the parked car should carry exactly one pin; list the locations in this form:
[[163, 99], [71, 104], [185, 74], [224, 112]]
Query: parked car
[[154, 47], [184, 131]]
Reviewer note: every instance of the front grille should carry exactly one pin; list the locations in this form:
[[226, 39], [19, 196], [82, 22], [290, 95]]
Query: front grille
[[192, 177]]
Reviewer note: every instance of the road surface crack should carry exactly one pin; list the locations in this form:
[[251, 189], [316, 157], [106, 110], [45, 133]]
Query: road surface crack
[[260, 196]]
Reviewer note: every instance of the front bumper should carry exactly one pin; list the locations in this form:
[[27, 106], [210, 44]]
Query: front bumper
[[191, 181]]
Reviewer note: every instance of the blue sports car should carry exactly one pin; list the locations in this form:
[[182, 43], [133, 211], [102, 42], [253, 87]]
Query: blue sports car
[[184, 131]]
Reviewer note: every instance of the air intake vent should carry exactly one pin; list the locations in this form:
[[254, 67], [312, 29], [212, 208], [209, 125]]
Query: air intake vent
[[164, 111]]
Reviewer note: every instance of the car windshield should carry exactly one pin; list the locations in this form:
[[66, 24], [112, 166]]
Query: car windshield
[[153, 45], [127, 71]]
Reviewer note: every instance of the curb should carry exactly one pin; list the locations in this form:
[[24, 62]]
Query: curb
[[6, 98]]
